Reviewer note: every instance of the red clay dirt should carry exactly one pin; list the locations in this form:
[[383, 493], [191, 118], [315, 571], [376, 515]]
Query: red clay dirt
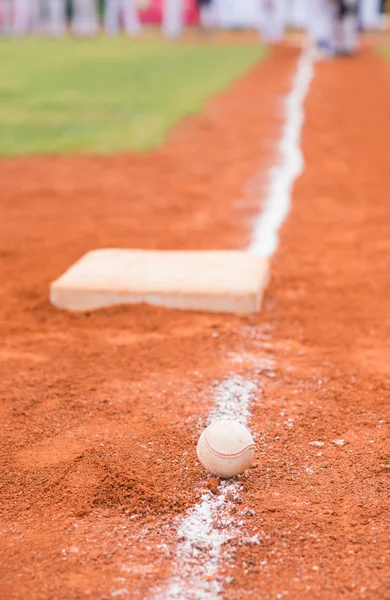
[[101, 412]]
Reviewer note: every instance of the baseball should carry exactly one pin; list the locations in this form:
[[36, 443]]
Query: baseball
[[226, 448]]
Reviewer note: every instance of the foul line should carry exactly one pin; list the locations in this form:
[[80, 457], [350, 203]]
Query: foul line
[[209, 524], [290, 164]]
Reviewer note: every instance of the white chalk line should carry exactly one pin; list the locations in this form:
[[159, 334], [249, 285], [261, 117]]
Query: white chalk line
[[290, 163], [209, 525]]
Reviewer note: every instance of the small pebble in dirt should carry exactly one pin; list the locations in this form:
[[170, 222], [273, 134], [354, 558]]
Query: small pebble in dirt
[[339, 442], [317, 444], [247, 512], [229, 497], [213, 485]]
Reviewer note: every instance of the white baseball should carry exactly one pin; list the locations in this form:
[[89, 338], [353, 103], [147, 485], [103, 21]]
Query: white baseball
[[226, 448]]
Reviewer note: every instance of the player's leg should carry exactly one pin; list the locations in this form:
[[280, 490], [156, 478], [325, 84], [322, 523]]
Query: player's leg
[[112, 17], [346, 26], [57, 18], [279, 19], [6, 10], [36, 14], [370, 13], [21, 21], [351, 26], [208, 15], [131, 17], [40, 18], [77, 16], [272, 19], [173, 16], [85, 17], [319, 24], [299, 14], [338, 26]]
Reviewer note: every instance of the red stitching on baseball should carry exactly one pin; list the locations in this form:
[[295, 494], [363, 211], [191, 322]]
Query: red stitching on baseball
[[226, 454]]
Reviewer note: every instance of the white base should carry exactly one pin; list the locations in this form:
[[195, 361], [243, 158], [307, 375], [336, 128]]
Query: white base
[[219, 281]]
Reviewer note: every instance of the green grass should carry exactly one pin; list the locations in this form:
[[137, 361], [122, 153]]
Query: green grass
[[106, 95], [385, 51]]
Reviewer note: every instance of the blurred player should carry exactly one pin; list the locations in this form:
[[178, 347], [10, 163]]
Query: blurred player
[[85, 18], [345, 27], [26, 17], [5, 11], [370, 13], [54, 12], [272, 20], [207, 14], [127, 9], [320, 16], [173, 17], [296, 13]]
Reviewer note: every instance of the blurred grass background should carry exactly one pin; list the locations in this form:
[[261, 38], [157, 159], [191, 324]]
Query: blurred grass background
[[385, 51], [106, 95]]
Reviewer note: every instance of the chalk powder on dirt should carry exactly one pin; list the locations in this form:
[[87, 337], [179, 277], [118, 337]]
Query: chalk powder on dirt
[[209, 524], [200, 541]]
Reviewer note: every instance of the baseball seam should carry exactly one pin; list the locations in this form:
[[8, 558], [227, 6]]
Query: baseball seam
[[240, 452]]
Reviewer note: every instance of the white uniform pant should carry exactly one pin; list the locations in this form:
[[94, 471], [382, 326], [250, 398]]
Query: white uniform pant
[[370, 13], [319, 20], [85, 17], [296, 13], [129, 12], [346, 29], [6, 12], [272, 20], [54, 12], [26, 16], [208, 16], [173, 17]]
